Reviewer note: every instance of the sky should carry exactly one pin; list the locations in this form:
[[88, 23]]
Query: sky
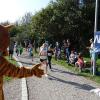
[[13, 10]]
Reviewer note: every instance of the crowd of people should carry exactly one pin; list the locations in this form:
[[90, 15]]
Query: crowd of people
[[46, 52], [70, 54]]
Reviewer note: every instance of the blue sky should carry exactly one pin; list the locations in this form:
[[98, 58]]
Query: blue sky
[[13, 10]]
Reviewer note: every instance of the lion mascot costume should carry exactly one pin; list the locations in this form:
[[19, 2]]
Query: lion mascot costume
[[7, 68]]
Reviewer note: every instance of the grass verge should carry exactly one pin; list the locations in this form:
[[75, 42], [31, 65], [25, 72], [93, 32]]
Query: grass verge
[[86, 73]]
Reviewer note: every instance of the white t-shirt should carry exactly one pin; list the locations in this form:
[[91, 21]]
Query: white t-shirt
[[91, 48], [43, 53]]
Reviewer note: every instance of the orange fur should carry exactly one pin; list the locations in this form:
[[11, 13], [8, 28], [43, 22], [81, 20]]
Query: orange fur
[[8, 69]]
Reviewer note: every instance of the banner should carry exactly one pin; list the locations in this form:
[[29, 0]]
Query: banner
[[97, 41]]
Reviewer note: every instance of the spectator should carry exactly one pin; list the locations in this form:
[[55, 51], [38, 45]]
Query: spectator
[[80, 62], [91, 51], [76, 56], [57, 51], [31, 52], [93, 54], [73, 57], [67, 50], [25, 44], [64, 47], [29, 46], [17, 50], [20, 49], [11, 50]]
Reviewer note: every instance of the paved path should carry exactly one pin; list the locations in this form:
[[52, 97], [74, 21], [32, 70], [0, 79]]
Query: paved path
[[12, 90], [61, 84]]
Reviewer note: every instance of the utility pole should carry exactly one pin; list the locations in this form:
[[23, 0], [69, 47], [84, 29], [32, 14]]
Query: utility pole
[[95, 30]]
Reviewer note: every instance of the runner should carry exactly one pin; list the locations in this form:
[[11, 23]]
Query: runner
[[43, 56], [49, 55]]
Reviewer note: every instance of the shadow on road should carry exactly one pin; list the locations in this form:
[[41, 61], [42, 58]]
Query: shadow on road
[[27, 57], [26, 63], [77, 85], [61, 71]]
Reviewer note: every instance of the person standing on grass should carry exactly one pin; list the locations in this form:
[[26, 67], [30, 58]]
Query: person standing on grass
[[43, 56], [49, 56], [17, 50], [11, 49], [72, 57], [20, 49], [57, 51], [93, 54], [80, 62], [91, 47], [68, 50], [29, 46], [31, 52]]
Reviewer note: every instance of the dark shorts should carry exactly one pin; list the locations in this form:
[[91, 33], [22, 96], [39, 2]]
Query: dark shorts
[[11, 51], [43, 60]]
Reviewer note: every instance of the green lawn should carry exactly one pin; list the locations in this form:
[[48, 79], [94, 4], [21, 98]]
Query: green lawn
[[6, 78], [86, 73]]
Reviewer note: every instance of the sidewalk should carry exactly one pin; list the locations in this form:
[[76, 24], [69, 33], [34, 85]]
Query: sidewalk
[[61, 84]]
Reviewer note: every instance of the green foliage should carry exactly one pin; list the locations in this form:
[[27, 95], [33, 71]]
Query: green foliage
[[65, 19], [61, 19]]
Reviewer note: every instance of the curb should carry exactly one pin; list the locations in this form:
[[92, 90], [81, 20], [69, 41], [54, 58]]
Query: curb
[[23, 83]]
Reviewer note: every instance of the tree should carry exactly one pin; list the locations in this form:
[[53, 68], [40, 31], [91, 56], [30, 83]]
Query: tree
[[61, 19]]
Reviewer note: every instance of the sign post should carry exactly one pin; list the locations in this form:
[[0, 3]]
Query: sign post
[[96, 49], [95, 29]]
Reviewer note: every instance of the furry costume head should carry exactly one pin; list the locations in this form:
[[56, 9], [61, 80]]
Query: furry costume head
[[4, 38]]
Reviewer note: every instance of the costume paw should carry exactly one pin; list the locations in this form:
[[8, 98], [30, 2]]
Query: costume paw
[[37, 71]]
